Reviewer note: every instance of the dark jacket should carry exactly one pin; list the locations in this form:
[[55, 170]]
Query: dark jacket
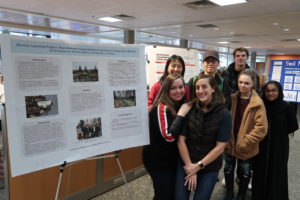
[[203, 128], [270, 166], [231, 76], [162, 152]]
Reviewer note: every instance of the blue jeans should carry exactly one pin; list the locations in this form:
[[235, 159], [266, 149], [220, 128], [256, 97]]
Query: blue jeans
[[205, 184], [163, 183], [244, 167]]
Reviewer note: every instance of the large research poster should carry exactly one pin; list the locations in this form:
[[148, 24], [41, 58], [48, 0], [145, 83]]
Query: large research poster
[[67, 101]]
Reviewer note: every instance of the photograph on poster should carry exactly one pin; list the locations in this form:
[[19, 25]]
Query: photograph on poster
[[297, 79], [42, 105], [296, 87], [85, 72], [288, 79], [89, 128], [124, 98], [288, 86]]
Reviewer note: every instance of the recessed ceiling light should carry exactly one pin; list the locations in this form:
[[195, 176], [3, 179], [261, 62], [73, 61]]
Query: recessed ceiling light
[[190, 35], [223, 42], [216, 28], [109, 19], [227, 2], [298, 40], [231, 33], [247, 47], [275, 24], [286, 29]]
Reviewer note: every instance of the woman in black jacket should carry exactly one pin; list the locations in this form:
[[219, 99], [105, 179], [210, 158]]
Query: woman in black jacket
[[203, 137], [270, 170], [161, 156]]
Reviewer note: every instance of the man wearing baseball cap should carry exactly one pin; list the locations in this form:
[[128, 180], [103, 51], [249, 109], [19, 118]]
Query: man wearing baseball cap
[[210, 64]]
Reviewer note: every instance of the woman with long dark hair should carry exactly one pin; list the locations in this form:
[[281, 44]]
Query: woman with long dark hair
[[174, 65], [161, 156], [270, 167]]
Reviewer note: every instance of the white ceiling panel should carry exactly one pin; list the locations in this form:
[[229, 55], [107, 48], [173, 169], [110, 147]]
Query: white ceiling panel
[[248, 24]]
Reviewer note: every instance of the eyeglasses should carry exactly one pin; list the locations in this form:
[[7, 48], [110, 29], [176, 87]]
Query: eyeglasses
[[271, 91]]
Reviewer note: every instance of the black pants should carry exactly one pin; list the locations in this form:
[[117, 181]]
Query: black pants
[[163, 183]]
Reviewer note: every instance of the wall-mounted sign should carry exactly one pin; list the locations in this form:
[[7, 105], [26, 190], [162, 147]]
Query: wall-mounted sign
[[287, 72]]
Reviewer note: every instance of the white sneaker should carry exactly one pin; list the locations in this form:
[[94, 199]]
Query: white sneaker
[[250, 185], [223, 182]]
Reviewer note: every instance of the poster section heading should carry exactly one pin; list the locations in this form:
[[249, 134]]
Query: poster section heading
[[38, 47], [75, 103], [287, 72]]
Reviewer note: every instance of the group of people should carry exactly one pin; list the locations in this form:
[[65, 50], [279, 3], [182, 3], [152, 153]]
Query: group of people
[[86, 131], [217, 117]]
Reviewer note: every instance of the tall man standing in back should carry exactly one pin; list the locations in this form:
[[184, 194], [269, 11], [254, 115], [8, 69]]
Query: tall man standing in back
[[240, 55]]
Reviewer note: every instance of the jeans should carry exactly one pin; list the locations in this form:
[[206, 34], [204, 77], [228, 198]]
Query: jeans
[[205, 184], [244, 167], [163, 183]]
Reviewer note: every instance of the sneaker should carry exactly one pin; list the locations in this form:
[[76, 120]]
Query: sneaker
[[250, 185], [237, 180], [223, 182]]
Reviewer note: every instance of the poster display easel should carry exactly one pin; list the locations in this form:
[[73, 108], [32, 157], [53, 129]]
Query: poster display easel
[[114, 155]]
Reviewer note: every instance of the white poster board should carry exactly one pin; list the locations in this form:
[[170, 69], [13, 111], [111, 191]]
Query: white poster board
[[67, 100], [157, 57]]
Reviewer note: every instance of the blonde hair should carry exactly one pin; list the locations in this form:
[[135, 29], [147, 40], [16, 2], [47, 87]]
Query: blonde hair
[[251, 73]]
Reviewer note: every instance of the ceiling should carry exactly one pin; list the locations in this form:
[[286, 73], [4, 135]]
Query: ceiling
[[250, 24]]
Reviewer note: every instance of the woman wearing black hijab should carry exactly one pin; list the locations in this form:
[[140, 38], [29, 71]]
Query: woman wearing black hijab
[[270, 170]]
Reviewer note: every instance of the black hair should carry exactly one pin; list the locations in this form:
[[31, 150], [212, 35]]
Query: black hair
[[173, 58], [279, 87]]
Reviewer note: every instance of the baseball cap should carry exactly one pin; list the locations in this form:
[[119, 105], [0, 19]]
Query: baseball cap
[[213, 54]]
